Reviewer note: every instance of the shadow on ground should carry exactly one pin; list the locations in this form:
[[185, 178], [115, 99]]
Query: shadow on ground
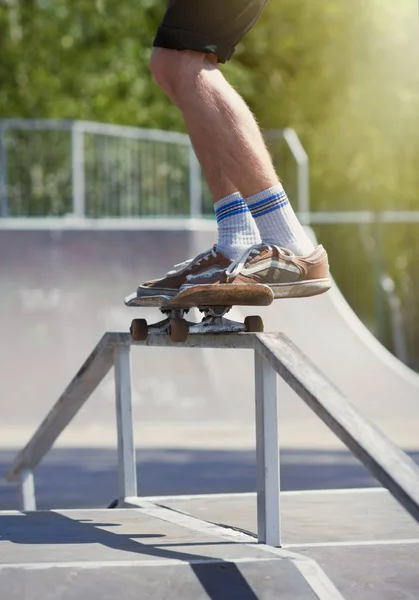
[[83, 478]]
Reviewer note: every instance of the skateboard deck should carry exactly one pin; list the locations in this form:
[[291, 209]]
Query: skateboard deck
[[213, 301]]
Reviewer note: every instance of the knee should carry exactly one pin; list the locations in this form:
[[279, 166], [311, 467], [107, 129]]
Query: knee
[[175, 71], [165, 66]]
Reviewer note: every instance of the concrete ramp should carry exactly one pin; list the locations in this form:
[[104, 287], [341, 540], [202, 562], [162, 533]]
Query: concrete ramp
[[60, 289], [327, 330]]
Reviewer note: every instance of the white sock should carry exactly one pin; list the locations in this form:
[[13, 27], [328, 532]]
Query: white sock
[[277, 222], [237, 229]]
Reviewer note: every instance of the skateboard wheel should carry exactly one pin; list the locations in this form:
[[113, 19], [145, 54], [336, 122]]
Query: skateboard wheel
[[253, 324], [179, 330], [139, 330]]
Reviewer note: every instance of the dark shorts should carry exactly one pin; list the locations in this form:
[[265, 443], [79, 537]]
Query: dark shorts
[[208, 26]]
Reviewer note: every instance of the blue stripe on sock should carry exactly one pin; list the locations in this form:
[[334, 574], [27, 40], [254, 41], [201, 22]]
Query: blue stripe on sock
[[259, 205], [274, 202], [228, 206], [227, 213], [270, 205], [266, 200], [231, 214], [222, 213], [265, 212]]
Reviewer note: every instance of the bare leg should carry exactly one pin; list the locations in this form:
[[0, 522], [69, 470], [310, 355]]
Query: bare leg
[[229, 146], [225, 135]]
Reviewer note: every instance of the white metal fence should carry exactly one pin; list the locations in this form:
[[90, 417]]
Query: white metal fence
[[57, 168]]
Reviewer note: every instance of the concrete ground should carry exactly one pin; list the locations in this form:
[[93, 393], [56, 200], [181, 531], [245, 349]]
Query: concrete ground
[[352, 544]]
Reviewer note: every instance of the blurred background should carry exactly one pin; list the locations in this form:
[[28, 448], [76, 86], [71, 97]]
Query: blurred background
[[86, 136]]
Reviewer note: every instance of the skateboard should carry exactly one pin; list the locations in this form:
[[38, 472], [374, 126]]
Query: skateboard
[[213, 302]]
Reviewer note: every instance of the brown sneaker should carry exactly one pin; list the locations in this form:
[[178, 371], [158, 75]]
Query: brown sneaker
[[206, 266], [287, 275]]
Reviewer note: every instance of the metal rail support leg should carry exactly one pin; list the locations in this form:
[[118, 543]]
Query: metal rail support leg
[[127, 473], [267, 454], [27, 490]]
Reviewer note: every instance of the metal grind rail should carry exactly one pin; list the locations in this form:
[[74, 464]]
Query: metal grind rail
[[274, 354]]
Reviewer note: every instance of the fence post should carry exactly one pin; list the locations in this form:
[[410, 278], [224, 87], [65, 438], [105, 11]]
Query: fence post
[[4, 202], [303, 175], [27, 490], [379, 309], [77, 169], [267, 454], [127, 472], [195, 184]]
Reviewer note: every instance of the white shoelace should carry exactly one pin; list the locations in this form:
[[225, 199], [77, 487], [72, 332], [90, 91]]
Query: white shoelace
[[236, 266], [197, 260]]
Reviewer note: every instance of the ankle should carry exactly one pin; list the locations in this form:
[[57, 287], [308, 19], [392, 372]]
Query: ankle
[[237, 229], [277, 223]]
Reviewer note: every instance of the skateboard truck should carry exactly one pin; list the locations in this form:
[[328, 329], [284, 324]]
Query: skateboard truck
[[212, 302], [178, 328]]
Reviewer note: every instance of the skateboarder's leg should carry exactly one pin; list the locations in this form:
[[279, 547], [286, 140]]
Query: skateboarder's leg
[[225, 135], [223, 130], [237, 230], [194, 36]]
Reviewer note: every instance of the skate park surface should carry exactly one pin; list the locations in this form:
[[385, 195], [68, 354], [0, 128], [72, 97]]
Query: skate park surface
[[61, 289], [351, 544]]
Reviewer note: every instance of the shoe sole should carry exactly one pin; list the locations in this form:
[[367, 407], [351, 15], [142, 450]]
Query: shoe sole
[[151, 292], [301, 289], [207, 295]]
